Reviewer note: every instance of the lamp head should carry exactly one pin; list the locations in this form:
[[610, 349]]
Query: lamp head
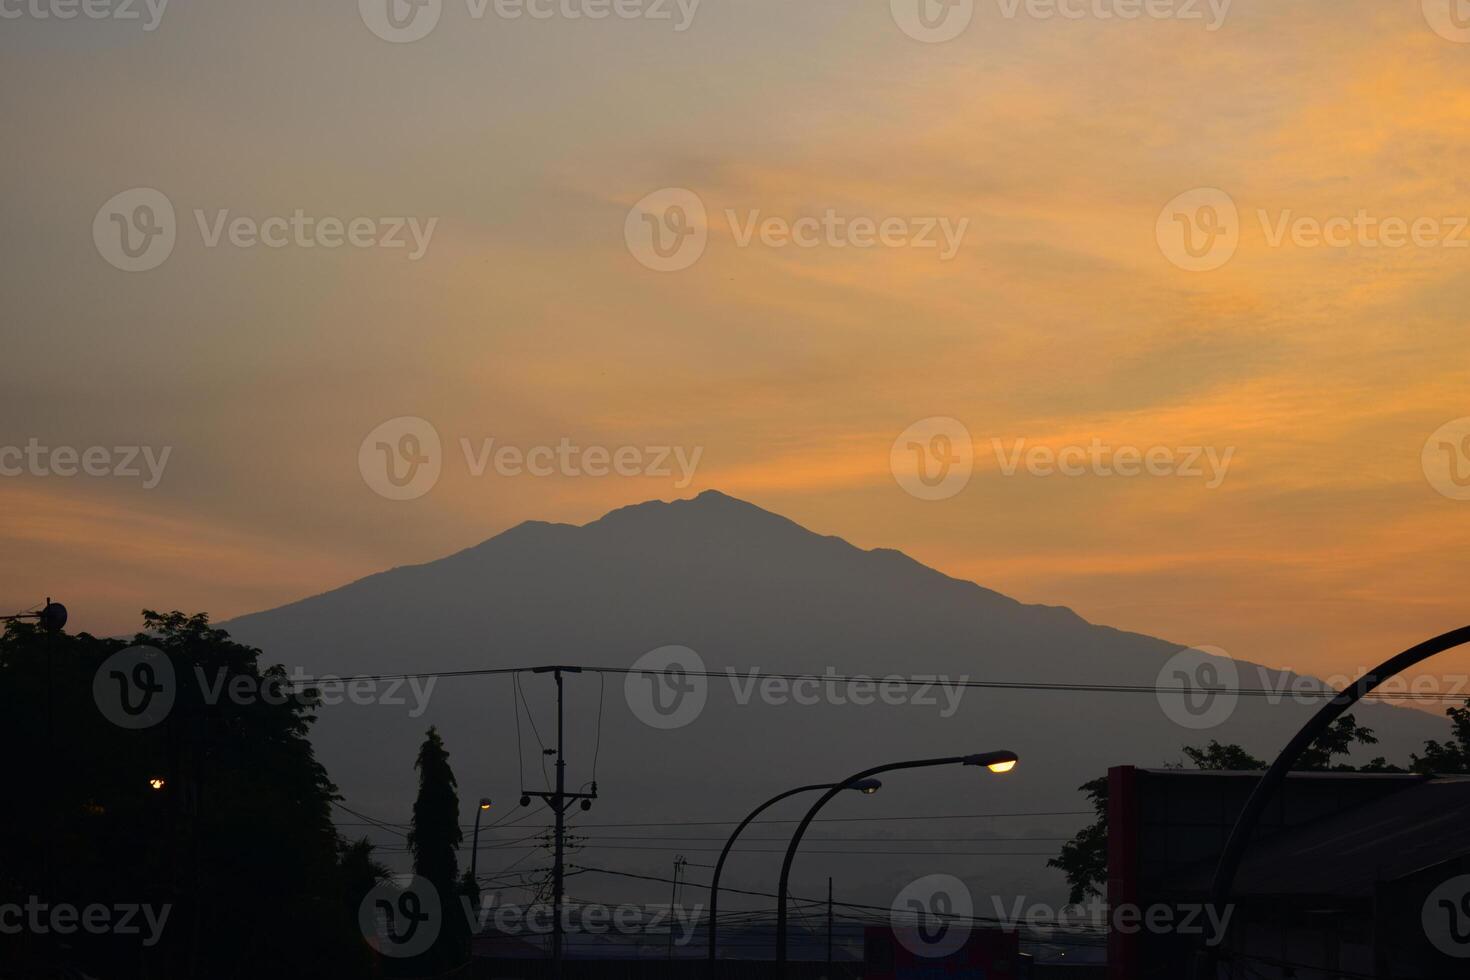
[[1003, 761], [484, 803], [866, 786], [52, 617]]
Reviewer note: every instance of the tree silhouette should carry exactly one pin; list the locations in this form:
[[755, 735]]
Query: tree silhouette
[[1084, 858], [435, 839], [1228, 758], [236, 841], [1448, 757]]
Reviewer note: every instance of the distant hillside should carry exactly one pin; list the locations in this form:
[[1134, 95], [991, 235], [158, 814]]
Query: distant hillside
[[748, 589]]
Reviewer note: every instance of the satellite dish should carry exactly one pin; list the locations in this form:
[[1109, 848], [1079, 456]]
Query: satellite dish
[[53, 617]]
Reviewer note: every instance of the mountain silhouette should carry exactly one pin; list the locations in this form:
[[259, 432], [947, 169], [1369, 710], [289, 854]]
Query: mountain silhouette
[[749, 590]]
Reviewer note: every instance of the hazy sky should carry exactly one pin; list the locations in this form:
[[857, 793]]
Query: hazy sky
[[1063, 317]]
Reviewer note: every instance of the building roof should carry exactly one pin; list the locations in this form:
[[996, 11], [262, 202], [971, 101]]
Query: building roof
[[1348, 853]]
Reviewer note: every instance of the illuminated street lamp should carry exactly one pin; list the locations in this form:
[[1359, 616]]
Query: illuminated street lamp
[[998, 762], [475, 847], [865, 786]]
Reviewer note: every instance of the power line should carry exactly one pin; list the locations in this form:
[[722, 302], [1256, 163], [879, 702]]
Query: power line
[[846, 852], [724, 823], [375, 823], [812, 850], [530, 717], [988, 920], [817, 840], [1325, 694], [844, 840], [825, 840], [936, 816], [505, 823]]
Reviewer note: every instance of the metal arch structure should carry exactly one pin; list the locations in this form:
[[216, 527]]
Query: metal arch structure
[[1250, 815]]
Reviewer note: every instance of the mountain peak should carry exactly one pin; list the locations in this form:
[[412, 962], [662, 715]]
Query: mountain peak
[[709, 510]]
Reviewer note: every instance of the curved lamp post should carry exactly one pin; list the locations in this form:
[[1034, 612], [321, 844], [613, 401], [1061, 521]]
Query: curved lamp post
[[475, 846], [865, 786], [1245, 824], [1003, 761]]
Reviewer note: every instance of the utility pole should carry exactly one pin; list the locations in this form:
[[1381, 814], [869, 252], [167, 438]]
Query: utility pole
[[559, 800], [679, 863], [829, 929]]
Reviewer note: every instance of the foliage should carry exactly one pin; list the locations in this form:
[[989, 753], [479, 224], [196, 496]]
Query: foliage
[[1447, 757], [436, 833], [435, 839], [237, 843], [1084, 858], [1339, 739], [1229, 758]]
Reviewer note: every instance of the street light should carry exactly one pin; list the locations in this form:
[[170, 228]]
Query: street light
[[475, 847], [50, 617], [998, 762], [866, 786]]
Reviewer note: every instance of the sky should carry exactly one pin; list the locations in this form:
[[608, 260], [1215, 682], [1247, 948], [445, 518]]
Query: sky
[[1098, 241]]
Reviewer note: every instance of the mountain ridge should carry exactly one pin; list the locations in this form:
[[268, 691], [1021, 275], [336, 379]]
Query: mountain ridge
[[746, 590], [659, 507]]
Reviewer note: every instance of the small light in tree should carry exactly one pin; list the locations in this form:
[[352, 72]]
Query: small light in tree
[[157, 782]]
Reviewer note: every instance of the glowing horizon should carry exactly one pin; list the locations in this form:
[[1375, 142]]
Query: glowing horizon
[[1063, 319]]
